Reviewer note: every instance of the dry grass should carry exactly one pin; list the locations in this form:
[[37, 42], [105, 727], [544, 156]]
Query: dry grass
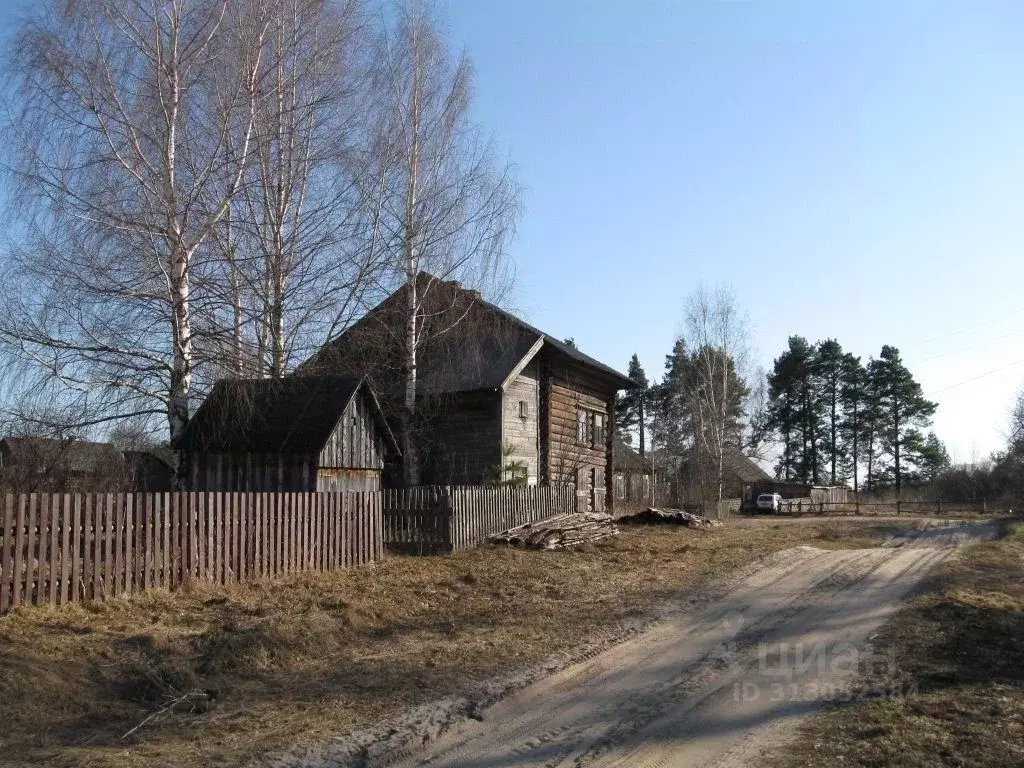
[[301, 659], [960, 652]]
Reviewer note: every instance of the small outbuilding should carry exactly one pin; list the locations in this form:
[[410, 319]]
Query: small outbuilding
[[296, 434], [633, 474]]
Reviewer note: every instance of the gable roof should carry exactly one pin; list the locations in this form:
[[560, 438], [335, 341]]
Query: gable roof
[[293, 415], [628, 460], [744, 468], [473, 344]]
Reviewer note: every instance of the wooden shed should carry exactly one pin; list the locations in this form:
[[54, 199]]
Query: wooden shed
[[306, 433]]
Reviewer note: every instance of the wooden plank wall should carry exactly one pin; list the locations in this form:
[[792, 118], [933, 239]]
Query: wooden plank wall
[[452, 518], [64, 548]]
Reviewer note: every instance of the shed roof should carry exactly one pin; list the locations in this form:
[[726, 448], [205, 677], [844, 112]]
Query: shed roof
[[293, 415]]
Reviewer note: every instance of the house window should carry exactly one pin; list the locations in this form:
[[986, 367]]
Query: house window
[[590, 428], [598, 431], [524, 410]]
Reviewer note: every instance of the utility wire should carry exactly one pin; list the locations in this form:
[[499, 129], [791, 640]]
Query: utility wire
[[975, 378]]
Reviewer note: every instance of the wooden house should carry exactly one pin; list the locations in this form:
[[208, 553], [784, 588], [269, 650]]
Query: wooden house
[[498, 401], [633, 475], [316, 433]]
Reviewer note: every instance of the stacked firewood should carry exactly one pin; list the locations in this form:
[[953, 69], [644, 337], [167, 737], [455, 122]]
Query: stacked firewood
[[558, 532], [674, 517]]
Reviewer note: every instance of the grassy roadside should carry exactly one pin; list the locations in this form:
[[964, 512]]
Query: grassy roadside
[[301, 659], [959, 651]]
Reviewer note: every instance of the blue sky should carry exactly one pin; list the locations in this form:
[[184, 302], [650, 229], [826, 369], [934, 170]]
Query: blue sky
[[851, 169]]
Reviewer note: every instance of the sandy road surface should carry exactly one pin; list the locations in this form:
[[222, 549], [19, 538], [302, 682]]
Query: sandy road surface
[[716, 686]]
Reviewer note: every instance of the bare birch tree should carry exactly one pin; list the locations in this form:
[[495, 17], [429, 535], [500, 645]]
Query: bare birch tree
[[122, 173], [294, 264], [718, 334], [444, 207]]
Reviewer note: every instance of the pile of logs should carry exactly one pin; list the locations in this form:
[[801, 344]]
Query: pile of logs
[[558, 532], [673, 517]]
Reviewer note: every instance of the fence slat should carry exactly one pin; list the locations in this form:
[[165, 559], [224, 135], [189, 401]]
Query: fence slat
[[109, 590], [65, 549], [7, 535], [53, 519]]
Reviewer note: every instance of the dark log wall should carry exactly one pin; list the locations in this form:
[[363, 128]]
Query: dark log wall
[[461, 438], [566, 389]]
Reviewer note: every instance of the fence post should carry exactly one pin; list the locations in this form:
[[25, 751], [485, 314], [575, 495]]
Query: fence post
[[939, 505], [897, 507]]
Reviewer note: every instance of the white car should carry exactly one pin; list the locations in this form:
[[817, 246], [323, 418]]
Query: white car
[[769, 502]]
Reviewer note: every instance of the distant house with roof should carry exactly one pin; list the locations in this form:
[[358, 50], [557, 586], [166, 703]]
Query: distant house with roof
[[738, 472], [497, 399], [41, 464], [296, 434], [633, 474]]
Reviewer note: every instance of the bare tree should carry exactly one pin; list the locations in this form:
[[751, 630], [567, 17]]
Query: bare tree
[[718, 334], [443, 207], [120, 156], [294, 262]]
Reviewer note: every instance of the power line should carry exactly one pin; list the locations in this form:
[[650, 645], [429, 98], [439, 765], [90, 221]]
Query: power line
[[975, 378], [972, 346]]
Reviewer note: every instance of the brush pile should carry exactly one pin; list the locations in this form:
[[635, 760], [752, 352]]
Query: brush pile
[[673, 517], [558, 532]]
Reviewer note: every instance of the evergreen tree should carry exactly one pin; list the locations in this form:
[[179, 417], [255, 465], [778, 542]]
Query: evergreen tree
[[631, 408], [852, 401], [931, 458], [872, 421], [667, 403], [793, 413], [828, 372], [902, 412]]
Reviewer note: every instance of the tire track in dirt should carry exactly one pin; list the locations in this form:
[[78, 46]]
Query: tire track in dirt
[[675, 696]]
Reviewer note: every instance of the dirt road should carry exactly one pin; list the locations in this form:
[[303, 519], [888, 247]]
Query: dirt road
[[717, 686]]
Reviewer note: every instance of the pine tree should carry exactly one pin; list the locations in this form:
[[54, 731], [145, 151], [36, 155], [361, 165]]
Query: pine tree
[[903, 412], [931, 458], [827, 383], [667, 405], [793, 413], [631, 408], [872, 420], [853, 405]]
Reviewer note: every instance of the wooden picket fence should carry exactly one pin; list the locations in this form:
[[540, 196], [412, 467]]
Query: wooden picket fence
[[452, 518], [61, 548]]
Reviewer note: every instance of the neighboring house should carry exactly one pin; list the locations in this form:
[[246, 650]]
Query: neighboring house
[[311, 433], [41, 464], [497, 399], [738, 473], [633, 474]]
